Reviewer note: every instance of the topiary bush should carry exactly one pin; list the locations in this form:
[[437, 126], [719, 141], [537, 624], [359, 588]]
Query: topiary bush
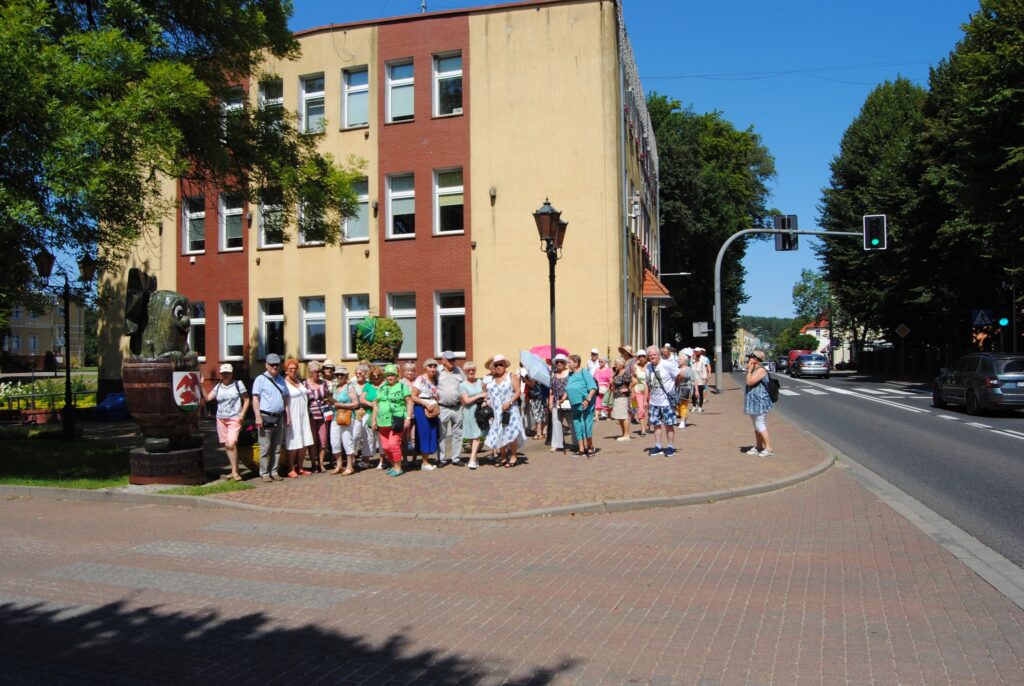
[[378, 339]]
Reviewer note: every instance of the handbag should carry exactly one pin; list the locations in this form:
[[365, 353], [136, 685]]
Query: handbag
[[432, 410], [270, 420], [343, 417], [397, 424]]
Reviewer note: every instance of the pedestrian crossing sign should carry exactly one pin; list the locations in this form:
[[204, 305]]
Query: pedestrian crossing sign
[[981, 317]]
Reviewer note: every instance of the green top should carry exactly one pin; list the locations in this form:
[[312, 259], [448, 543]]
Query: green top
[[369, 393], [391, 402]]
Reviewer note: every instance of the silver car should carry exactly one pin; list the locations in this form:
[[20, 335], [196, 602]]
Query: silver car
[[810, 365], [980, 382]]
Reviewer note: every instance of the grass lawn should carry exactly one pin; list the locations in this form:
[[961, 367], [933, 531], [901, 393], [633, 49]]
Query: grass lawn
[[211, 489], [40, 458]]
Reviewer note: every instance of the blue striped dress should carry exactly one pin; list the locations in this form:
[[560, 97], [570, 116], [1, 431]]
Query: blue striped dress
[[755, 398]]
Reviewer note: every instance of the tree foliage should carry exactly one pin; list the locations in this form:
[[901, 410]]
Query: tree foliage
[[100, 100], [713, 180]]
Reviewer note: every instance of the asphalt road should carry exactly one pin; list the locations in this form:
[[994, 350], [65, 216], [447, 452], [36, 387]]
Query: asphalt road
[[970, 470]]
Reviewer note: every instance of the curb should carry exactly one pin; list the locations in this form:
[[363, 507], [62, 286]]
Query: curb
[[596, 507]]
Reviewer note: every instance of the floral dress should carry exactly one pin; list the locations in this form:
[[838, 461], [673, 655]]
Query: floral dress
[[499, 393]]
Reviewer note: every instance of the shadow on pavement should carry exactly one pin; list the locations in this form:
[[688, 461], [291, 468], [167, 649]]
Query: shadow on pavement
[[44, 643]]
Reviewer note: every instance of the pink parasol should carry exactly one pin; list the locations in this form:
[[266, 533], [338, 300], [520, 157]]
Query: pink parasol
[[544, 351]]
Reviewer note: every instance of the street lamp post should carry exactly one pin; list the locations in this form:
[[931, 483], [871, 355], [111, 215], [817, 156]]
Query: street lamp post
[[86, 267], [551, 230]]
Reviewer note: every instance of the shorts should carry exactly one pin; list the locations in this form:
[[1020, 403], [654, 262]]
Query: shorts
[[661, 415], [227, 429]]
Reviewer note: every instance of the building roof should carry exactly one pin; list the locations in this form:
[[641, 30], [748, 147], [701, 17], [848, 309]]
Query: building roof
[[654, 289], [821, 324]]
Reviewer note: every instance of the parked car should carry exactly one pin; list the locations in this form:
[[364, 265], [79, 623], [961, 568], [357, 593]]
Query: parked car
[[782, 363], [791, 359], [980, 382], [810, 365]]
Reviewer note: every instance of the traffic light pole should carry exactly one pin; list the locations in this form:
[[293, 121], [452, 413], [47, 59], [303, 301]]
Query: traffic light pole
[[719, 360]]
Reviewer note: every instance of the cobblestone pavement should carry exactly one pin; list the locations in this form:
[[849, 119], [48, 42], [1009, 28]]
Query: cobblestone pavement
[[819, 583], [710, 458]]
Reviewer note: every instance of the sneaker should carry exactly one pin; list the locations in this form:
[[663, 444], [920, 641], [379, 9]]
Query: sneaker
[[670, 451], [457, 462], [363, 464], [654, 452], [395, 472], [622, 438], [277, 477], [266, 479], [766, 453], [753, 451], [473, 465], [428, 468]]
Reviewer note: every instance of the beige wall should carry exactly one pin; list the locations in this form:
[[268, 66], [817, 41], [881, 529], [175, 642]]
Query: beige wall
[[295, 272], [544, 123]]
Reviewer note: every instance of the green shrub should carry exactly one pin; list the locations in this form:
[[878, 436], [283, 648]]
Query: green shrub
[[386, 343]]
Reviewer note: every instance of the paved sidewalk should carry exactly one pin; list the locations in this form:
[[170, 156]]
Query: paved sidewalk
[[710, 458]]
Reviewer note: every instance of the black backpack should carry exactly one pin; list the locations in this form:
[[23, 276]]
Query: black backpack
[[773, 388]]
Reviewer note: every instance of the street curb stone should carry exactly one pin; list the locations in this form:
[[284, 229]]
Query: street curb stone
[[596, 507]]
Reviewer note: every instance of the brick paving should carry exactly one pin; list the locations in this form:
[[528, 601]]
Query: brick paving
[[819, 583], [710, 458]]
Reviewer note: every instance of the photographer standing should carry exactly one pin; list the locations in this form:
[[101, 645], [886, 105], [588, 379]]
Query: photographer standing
[[756, 402]]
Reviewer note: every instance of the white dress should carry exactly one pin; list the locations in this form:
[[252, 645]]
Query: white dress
[[299, 433]]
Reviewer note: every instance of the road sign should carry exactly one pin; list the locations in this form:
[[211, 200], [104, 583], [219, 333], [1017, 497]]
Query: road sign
[[700, 329], [981, 317], [902, 330]]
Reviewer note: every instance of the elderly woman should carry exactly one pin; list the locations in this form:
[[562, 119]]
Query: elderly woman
[[580, 389], [558, 403], [232, 404], [316, 390], [641, 393], [756, 402], [299, 433], [473, 394], [603, 379], [346, 428], [426, 412], [392, 414], [506, 432], [363, 436], [621, 382]]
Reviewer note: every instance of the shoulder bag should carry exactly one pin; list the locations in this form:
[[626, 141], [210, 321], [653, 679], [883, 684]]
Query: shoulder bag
[[673, 397]]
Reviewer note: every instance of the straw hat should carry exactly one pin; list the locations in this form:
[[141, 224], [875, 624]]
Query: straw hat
[[626, 351]]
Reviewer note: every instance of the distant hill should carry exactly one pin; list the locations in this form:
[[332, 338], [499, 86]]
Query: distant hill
[[768, 327]]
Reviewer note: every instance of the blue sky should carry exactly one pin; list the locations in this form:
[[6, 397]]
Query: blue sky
[[796, 71]]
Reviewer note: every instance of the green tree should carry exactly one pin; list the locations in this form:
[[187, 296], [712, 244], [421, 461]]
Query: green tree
[[100, 100], [792, 339], [713, 181], [872, 174]]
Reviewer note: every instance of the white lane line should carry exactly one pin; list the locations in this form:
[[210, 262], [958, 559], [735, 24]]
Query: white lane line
[[948, 416], [865, 397], [786, 391], [902, 392], [1014, 434], [979, 425], [814, 391], [872, 391]]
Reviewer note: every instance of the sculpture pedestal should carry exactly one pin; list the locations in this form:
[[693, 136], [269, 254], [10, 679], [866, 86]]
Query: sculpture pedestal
[[178, 467]]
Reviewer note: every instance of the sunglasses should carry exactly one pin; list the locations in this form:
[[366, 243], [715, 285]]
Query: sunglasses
[[273, 364]]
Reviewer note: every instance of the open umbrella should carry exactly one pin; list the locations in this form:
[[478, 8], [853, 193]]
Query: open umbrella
[[535, 367], [544, 351]]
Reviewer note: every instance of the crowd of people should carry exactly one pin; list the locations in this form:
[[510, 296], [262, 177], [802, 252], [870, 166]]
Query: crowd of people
[[395, 416]]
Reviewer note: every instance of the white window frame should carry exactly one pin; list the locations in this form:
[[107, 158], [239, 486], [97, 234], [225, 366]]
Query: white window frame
[[451, 190], [298, 229], [440, 312], [348, 90], [305, 96], [222, 219], [400, 83], [404, 313], [266, 102], [226, 321], [268, 319], [33, 344], [186, 221], [194, 322], [351, 317], [439, 76], [227, 107], [364, 208], [400, 195], [16, 313], [312, 317], [263, 242], [15, 343]]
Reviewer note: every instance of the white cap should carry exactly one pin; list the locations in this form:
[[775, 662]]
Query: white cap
[[595, 351], [226, 367], [560, 358]]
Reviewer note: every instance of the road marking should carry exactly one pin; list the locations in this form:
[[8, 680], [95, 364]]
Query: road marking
[[1013, 434], [786, 391], [865, 397], [872, 391], [814, 391], [979, 425], [948, 416], [903, 392]]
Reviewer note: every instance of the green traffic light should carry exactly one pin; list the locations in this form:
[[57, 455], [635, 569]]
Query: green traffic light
[[875, 241], [1003, 321]]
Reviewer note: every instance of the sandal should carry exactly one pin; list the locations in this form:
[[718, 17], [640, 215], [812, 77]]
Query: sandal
[[348, 472], [512, 463], [236, 477]]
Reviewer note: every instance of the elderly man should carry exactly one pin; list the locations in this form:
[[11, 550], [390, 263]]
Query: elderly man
[[271, 409], [663, 376], [448, 385], [594, 363]]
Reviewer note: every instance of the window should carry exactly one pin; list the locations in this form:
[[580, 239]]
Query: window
[[356, 307], [400, 92], [16, 312], [271, 220], [310, 231], [230, 222], [15, 343], [272, 94], [197, 330], [450, 323], [312, 104], [232, 331], [401, 206], [314, 328], [448, 217], [357, 97], [358, 227], [402, 308], [231, 107], [195, 224], [33, 344], [447, 84], [271, 327]]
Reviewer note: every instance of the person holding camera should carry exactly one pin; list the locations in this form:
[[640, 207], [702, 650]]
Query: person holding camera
[[756, 402]]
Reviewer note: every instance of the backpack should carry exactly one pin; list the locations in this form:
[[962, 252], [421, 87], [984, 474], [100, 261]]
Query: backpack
[[773, 388]]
